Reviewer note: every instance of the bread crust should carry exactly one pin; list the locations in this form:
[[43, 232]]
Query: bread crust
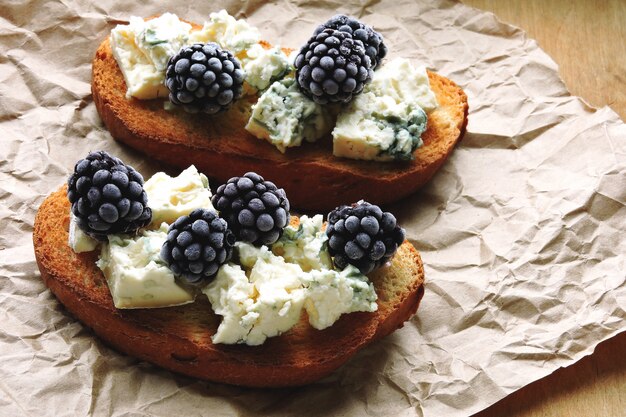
[[220, 147], [179, 338]]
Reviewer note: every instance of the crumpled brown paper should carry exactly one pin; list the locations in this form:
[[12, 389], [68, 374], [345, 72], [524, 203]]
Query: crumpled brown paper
[[521, 231]]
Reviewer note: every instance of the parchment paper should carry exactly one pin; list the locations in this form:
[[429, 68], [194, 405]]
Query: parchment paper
[[522, 231]]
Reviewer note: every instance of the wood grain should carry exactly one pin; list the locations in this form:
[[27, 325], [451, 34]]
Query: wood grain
[[588, 41], [587, 38]]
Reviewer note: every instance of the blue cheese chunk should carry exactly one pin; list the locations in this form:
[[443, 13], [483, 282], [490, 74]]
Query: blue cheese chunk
[[172, 197], [285, 117], [78, 240], [136, 275], [231, 296], [404, 82], [332, 293], [379, 128], [267, 296], [306, 245], [386, 121], [264, 66], [142, 50], [264, 304], [235, 35]]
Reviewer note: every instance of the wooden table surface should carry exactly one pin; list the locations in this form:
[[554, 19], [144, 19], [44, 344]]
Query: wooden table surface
[[587, 39]]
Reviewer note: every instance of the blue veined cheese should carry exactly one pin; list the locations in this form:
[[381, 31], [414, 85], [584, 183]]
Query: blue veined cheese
[[266, 297], [305, 245], [379, 128], [330, 293], [78, 240], [265, 304], [386, 121], [135, 273], [264, 66], [142, 50], [231, 295], [172, 197], [285, 117], [235, 35]]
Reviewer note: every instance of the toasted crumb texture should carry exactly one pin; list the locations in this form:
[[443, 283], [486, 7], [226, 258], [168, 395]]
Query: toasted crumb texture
[[221, 148], [179, 338]]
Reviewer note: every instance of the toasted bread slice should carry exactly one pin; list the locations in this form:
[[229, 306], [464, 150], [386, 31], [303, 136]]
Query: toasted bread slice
[[179, 338], [220, 147]]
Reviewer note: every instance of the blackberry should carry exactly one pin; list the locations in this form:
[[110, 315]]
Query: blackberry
[[107, 196], [256, 210], [204, 78], [373, 41], [363, 236], [333, 67], [197, 245]]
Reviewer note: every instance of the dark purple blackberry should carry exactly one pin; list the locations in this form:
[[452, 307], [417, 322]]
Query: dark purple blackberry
[[363, 236], [373, 41], [333, 67], [107, 196], [204, 78], [197, 245], [256, 210]]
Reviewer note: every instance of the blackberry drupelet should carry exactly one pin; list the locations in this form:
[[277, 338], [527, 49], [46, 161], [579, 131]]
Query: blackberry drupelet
[[197, 245], [204, 78], [333, 67], [373, 41], [107, 196], [256, 210], [363, 236]]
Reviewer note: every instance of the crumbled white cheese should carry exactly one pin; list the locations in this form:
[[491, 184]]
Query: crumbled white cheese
[[237, 36], [231, 295], [172, 197], [306, 245], [267, 296], [399, 79], [265, 304], [135, 273], [264, 66], [330, 293]]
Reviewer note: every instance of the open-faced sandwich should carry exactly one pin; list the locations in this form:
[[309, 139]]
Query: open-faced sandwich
[[335, 120], [225, 287]]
